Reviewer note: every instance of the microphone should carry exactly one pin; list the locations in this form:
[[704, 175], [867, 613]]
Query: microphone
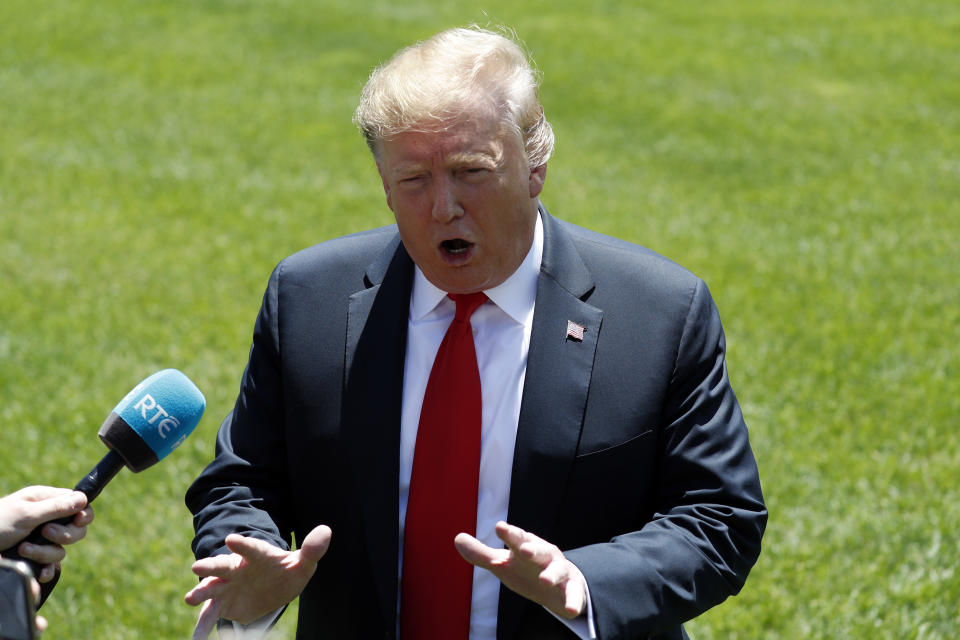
[[152, 420]]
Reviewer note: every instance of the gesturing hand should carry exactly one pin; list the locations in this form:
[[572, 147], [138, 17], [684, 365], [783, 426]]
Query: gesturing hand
[[253, 580], [530, 566]]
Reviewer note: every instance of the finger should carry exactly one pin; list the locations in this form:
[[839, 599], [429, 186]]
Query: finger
[[219, 566], [575, 603], [576, 590], [38, 492], [84, 517], [539, 552], [315, 545], [555, 574], [41, 624], [251, 548], [479, 554], [63, 533], [47, 573], [512, 536], [208, 589], [207, 619], [41, 553], [576, 600], [51, 504]]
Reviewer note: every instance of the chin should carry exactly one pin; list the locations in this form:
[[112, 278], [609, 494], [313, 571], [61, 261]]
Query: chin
[[460, 286], [453, 279]]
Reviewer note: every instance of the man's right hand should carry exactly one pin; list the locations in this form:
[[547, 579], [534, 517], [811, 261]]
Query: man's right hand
[[255, 579]]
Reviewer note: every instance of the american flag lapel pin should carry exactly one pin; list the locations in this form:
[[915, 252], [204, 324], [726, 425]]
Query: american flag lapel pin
[[575, 331]]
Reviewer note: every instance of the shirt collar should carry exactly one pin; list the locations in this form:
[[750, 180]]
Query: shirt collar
[[515, 296]]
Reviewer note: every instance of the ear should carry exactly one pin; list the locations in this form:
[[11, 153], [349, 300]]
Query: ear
[[386, 185], [538, 175]]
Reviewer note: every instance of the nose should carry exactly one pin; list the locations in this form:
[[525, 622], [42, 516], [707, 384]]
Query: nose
[[446, 202]]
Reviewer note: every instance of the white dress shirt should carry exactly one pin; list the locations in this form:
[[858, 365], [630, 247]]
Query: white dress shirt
[[501, 329]]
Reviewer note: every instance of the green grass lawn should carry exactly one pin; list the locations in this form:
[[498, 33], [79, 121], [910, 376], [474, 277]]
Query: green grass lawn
[[158, 158]]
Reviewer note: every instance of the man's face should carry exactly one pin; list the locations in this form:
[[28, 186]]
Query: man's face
[[465, 201]]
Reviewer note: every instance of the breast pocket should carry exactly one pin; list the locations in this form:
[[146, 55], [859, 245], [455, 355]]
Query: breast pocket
[[610, 460], [612, 489]]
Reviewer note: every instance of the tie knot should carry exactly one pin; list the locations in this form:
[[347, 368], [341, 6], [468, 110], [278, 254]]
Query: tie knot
[[467, 303]]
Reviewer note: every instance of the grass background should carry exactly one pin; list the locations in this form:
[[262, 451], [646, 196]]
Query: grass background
[[158, 158]]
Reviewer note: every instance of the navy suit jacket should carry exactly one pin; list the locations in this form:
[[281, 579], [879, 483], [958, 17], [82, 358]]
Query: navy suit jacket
[[631, 454]]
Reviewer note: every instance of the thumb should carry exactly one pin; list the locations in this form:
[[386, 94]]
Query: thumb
[[315, 545], [44, 506]]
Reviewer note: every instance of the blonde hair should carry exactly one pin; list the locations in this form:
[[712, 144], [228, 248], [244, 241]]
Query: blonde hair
[[427, 86]]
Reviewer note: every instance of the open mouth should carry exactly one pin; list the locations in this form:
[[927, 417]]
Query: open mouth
[[456, 247]]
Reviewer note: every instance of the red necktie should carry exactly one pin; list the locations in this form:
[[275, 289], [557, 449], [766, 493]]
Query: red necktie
[[437, 583]]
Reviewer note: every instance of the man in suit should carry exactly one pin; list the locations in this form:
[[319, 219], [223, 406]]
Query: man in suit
[[606, 431]]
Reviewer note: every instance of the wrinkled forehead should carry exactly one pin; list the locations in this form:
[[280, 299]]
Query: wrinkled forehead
[[473, 130], [416, 149]]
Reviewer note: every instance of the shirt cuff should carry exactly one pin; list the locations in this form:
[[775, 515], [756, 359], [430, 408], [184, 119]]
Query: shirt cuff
[[582, 625], [253, 631]]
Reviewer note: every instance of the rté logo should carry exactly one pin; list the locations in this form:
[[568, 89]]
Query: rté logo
[[166, 425]]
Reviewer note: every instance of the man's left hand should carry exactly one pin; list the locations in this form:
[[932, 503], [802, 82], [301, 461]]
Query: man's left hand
[[532, 567]]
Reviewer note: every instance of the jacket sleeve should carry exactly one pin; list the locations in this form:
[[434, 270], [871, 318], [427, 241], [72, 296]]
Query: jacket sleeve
[[709, 515], [244, 489]]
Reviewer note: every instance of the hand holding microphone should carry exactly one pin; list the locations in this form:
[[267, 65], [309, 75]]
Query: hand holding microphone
[[149, 423], [20, 513], [24, 510]]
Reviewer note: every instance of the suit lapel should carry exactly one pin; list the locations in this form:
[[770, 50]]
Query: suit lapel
[[374, 357], [559, 367]]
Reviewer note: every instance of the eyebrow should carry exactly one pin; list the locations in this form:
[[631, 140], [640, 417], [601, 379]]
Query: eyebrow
[[471, 157], [456, 160]]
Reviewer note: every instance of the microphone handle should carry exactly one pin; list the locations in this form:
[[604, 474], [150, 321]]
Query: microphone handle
[[91, 484], [94, 482]]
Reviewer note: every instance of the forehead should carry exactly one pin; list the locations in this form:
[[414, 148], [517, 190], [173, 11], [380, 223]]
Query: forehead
[[462, 138]]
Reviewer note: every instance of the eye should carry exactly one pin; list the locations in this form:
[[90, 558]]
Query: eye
[[474, 173]]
